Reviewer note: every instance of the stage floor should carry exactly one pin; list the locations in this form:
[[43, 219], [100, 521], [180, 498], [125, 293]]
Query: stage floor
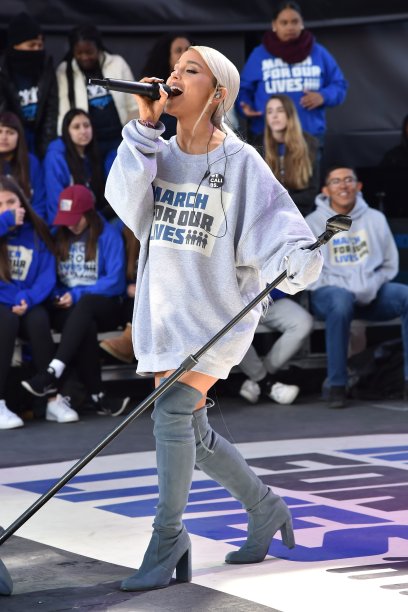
[[343, 473]]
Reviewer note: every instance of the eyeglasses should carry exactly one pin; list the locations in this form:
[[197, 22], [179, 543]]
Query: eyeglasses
[[347, 180]]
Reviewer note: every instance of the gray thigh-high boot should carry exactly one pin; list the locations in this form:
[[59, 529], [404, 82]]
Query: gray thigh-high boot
[[267, 512], [170, 547]]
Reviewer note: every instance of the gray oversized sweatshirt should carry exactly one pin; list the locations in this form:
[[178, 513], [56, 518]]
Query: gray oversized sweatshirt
[[205, 252]]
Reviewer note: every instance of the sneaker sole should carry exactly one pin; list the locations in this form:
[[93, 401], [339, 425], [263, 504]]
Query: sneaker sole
[[249, 398], [55, 419], [288, 400], [122, 408], [30, 389], [11, 426]]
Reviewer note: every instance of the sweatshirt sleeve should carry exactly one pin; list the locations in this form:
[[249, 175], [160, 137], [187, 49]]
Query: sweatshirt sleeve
[[7, 221], [334, 86], [111, 281], [56, 178], [135, 166], [389, 269], [278, 238], [250, 75], [44, 281], [38, 199], [63, 94]]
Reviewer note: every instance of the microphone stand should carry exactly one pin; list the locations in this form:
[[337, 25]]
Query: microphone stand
[[334, 225]]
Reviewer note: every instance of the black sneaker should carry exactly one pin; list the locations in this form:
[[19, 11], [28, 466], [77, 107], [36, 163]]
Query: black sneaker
[[105, 406], [42, 384], [337, 397]]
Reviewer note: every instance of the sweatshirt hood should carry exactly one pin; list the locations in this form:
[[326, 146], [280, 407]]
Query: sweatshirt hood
[[57, 146], [325, 210]]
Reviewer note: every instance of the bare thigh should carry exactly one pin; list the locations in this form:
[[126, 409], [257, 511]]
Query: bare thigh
[[201, 382]]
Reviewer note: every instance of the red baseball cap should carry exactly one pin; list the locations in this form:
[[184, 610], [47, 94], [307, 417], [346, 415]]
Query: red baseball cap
[[73, 202]]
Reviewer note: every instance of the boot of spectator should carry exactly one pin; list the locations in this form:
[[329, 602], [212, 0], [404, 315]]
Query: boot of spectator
[[121, 347]]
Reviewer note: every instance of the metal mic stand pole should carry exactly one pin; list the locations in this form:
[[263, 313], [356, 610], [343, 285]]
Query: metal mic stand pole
[[334, 225]]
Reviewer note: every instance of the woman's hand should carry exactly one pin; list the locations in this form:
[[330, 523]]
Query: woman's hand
[[311, 100], [151, 110], [64, 301], [20, 309], [131, 290], [249, 111]]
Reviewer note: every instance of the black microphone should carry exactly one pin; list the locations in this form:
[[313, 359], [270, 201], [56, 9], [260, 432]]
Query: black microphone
[[150, 90]]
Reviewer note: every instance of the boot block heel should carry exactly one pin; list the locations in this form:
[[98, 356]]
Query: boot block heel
[[288, 537], [183, 567]]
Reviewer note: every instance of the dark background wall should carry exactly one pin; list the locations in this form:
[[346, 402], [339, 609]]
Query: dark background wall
[[368, 39]]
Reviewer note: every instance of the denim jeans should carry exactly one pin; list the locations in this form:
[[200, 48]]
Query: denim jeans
[[337, 307]]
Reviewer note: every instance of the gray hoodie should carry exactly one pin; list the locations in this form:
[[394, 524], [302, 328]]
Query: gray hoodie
[[360, 260], [206, 252]]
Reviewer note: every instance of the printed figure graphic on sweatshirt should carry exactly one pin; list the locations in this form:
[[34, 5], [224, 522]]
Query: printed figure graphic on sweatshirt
[[290, 61], [27, 278], [16, 161], [356, 280], [85, 300], [200, 204]]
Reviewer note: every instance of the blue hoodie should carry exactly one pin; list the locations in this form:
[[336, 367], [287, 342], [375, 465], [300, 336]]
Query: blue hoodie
[[57, 175], [360, 260], [105, 276], [264, 75], [32, 265]]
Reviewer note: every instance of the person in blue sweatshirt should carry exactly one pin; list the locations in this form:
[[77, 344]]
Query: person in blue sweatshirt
[[290, 61], [27, 278], [74, 159], [16, 161], [86, 298], [357, 276]]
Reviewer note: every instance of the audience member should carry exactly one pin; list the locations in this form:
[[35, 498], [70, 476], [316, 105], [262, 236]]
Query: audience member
[[355, 281], [74, 159], [291, 153], [397, 157], [109, 110], [290, 61], [28, 86], [16, 161], [121, 347], [294, 323], [160, 62], [86, 300], [27, 277]]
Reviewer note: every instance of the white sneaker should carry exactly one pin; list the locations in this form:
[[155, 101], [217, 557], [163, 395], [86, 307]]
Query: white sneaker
[[283, 394], [60, 410], [8, 419], [250, 390]]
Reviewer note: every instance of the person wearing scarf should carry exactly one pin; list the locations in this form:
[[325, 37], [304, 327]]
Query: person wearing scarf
[[290, 61]]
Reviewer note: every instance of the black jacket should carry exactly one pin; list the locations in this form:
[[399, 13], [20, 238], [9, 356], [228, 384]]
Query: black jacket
[[45, 125]]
